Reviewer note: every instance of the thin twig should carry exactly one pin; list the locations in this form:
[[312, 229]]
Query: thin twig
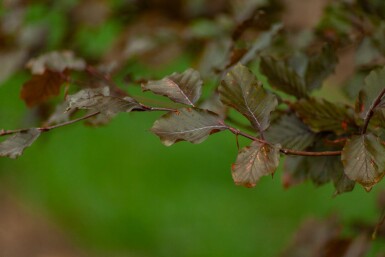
[[46, 129], [370, 113]]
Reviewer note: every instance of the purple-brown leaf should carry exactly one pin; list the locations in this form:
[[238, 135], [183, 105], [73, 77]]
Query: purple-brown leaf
[[187, 124], [182, 88], [255, 161]]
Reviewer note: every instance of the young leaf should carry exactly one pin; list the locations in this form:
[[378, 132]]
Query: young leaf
[[364, 160], [241, 90], [290, 132], [322, 115], [182, 88], [41, 87], [374, 84], [56, 61], [283, 77], [14, 146], [187, 124], [255, 161]]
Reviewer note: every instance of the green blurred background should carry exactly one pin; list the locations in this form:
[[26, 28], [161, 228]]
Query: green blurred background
[[118, 190]]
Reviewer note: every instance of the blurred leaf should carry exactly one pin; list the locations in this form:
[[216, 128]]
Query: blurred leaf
[[182, 88], [187, 124], [13, 59], [322, 168], [14, 146], [262, 42], [290, 132], [320, 67], [99, 100], [323, 238], [364, 160], [295, 171], [312, 238], [283, 77], [300, 74], [41, 87], [56, 61], [341, 182], [354, 84], [255, 161], [241, 90], [374, 84], [60, 114], [322, 115]]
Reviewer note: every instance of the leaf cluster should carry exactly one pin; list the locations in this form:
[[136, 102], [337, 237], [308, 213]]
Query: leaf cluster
[[266, 91]]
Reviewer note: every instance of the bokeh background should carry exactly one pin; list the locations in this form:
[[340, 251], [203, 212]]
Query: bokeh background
[[117, 191]]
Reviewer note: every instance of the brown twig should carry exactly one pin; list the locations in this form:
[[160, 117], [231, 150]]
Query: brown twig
[[284, 150]]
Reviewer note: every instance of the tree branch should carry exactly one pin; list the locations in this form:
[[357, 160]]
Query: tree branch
[[370, 113], [284, 150]]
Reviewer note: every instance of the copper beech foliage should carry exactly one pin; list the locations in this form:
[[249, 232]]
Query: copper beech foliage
[[321, 140]]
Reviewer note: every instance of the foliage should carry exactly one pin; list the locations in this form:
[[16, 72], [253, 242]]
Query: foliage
[[262, 74]]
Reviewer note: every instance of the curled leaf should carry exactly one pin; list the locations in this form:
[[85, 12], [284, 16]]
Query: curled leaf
[[187, 124], [14, 146], [255, 161]]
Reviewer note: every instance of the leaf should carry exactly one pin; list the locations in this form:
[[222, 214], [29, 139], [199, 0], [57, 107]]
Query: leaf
[[262, 42], [14, 59], [14, 146], [99, 99], [56, 61], [241, 90], [41, 87], [322, 115], [182, 88], [214, 104], [300, 74], [341, 182], [60, 114], [313, 238], [364, 160], [295, 170], [373, 85], [290, 132], [320, 67], [255, 161], [283, 77], [322, 168], [187, 124]]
